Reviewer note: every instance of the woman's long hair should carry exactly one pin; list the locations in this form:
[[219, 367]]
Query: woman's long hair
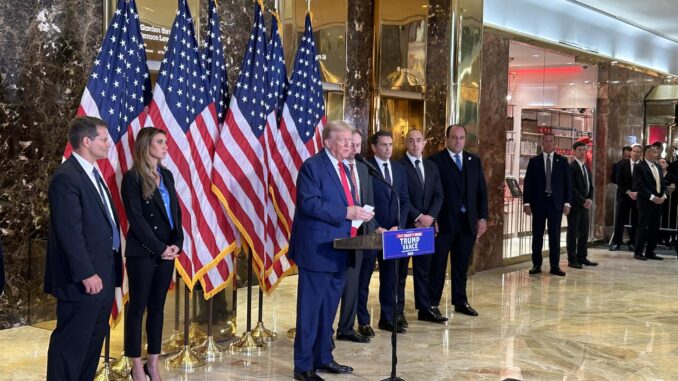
[[144, 165]]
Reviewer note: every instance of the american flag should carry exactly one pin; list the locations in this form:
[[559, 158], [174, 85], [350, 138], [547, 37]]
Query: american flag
[[215, 63], [240, 173], [303, 118], [279, 174], [118, 91], [183, 107]]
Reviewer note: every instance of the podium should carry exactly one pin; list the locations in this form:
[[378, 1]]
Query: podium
[[394, 245]]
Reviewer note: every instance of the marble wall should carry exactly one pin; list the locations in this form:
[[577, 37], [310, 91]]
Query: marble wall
[[492, 145], [620, 114]]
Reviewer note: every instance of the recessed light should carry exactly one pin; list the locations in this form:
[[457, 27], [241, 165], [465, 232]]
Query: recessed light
[[571, 83], [614, 62], [587, 81], [569, 63], [535, 55]]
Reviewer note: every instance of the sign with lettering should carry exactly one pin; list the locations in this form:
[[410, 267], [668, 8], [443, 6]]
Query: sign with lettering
[[408, 243]]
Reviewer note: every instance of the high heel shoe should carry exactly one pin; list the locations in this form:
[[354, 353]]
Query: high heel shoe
[[147, 372]]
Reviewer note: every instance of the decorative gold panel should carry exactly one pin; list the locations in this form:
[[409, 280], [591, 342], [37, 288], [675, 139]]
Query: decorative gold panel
[[399, 116], [334, 105], [329, 27]]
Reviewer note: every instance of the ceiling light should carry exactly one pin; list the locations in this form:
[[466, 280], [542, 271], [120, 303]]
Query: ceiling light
[[535, 55]]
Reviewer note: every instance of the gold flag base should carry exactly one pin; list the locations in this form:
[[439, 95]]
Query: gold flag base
[[184, 360], [230, 329], [121, 367], [196, 335], [261, 332], [209, 351], [103, 374], [248, 344], [174, 343], [291, 333]]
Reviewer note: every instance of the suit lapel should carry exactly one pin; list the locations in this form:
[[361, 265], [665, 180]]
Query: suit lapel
[[88, 183], [411, 168], [363, 177], [334, 176]]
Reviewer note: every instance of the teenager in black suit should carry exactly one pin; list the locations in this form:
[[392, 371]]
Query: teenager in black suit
[[582, 201], [547, 195], [462, 218], [83, 264], [154, 240], [426, 199], [625, 200], [647, 181]]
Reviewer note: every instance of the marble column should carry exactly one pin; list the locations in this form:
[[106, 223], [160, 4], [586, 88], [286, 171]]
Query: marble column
[[492, 145], [437, 72], [620, 115], [48, 48], [358, 89]]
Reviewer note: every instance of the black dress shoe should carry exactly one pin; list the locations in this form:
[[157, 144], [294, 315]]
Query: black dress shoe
[[387, 326], [402, 321], [307, 376], [365, 330], [557, 271], [586, 262], [654, 257], [430, 315], [466, 309], [436, 311], [354, 337], [336, 368], [574, 265], [535, 270], [615, 247], [639, 257]]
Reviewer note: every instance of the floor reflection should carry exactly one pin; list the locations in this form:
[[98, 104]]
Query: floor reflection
[[617, 321]]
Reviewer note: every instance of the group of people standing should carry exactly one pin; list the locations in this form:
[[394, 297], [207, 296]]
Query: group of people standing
[[84, 262], [446, 191], [644, 182]]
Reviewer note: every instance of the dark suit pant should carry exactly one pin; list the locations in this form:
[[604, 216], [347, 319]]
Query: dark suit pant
[[577, 234], [387, 270], [149, 280], [366, 270], [625, 207], [648, 227], [318, 296], [540, 216], [349, 297], [75, 344], [421, 270], [459, 246]]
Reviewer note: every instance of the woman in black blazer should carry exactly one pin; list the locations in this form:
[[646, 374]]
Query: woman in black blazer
[[154, 240]]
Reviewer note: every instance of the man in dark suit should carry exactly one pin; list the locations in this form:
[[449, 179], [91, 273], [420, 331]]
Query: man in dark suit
[[625, 200], [547, 195], [390, 215], [462, 219], [582, 201], [425, 193], [83, 254], [626, 154], [354, 283], [325, 209], [647, 181]]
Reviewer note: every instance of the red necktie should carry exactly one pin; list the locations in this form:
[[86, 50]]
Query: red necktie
[[347, 193]]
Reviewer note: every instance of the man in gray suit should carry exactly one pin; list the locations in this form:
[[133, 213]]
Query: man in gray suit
[[364, 196]]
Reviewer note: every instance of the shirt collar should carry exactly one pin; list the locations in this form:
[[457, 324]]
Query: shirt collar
[[86, 165], [552, 154], [651, 164], [381, 162], [452, 154], [581, 163], [412, 158], [335, 162]]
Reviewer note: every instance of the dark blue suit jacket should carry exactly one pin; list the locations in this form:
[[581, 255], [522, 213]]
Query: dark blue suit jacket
[[320, 217], [424, 199], [475, 192], [80, 242], [534, 188], [385, 206]]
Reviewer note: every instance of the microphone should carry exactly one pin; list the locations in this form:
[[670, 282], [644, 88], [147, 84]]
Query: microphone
[[371, 168]]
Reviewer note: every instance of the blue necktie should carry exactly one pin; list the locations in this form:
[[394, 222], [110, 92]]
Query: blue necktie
[[114, 227], [457, 160]]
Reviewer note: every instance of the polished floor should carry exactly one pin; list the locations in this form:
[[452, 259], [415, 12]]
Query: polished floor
[[617, 321]]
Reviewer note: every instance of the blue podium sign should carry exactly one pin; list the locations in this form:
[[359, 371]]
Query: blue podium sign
[[408, 243]]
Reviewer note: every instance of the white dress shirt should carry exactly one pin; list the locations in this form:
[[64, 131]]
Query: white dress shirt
[[421, 164], [89, 167]]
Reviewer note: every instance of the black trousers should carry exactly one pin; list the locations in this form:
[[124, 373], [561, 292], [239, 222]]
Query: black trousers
[[540, 217], [421, 272], [577, 233], [75, 344], [625, 207], [458, 245], [648, 227], [149, 279], [386, 282]]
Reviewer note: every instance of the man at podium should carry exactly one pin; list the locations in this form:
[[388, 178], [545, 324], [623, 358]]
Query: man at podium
[[325, 208]]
